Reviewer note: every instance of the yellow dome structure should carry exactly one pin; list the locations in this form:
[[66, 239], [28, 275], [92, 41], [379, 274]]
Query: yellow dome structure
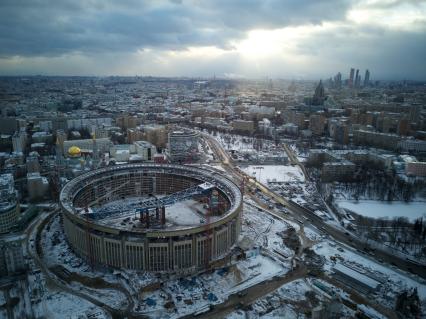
[[74, 151]]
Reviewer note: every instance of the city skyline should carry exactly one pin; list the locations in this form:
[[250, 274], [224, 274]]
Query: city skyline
[[273, 39]]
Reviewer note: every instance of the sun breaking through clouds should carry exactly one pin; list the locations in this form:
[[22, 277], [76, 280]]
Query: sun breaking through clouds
[[287, 39]]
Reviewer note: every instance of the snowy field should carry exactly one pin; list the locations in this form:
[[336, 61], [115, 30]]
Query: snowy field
[[381, 209], [275, 173], [244, 144]]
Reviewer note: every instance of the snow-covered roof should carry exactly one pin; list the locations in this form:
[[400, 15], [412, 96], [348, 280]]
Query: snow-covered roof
[[363, 279]]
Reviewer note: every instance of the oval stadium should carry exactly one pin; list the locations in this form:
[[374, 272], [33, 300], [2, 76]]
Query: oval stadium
[[152, 217]]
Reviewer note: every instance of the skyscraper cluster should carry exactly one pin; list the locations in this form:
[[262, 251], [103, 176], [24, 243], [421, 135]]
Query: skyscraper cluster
[[354, 80]]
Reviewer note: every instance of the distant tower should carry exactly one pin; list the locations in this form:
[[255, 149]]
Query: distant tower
[[351, 77], [366, 77], [338, 80], [319, 95], [357, 78]]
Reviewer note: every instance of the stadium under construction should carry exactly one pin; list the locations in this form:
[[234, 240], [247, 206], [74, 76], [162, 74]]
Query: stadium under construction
[[152, 217]]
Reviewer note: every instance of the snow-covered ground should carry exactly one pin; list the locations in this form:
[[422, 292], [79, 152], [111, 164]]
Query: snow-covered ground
[[67, 306], [394, 280], [382, 209], [193, 293], [290, 301], [263, 230], [190, 294], [275, 173], [188, 212]]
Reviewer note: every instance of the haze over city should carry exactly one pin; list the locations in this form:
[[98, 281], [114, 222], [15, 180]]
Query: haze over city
[[231, 39]]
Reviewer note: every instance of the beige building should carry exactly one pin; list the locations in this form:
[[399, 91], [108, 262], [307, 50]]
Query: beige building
[[416, 169], [156, 134]]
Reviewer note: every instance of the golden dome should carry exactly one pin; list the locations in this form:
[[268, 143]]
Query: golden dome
[[74, 151]]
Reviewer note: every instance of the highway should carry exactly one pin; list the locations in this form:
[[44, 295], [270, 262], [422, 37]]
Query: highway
[[339, 235]]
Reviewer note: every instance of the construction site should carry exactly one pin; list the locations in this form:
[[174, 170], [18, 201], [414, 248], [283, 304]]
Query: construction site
[[159, 218]]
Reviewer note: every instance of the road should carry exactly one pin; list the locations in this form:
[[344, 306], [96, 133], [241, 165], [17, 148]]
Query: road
[[338, 234], [294, 160]]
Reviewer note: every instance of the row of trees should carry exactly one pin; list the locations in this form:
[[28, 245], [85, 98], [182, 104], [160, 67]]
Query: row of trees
[[398, 232], [381, 185]]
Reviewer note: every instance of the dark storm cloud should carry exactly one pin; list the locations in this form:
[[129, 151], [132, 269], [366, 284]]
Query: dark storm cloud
[[390, 53], [49, 28]]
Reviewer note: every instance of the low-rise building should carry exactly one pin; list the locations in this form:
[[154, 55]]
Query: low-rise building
[[355, 279], [412, 146], [376, 139], [337, 171]]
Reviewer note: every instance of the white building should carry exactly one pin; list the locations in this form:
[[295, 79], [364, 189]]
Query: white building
[[145, 150], [37, 185]]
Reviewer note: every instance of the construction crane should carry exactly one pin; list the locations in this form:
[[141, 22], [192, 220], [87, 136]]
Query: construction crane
[[154, 203]]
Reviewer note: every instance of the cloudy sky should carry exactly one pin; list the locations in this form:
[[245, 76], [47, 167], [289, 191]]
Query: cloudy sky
[[290, 39]]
